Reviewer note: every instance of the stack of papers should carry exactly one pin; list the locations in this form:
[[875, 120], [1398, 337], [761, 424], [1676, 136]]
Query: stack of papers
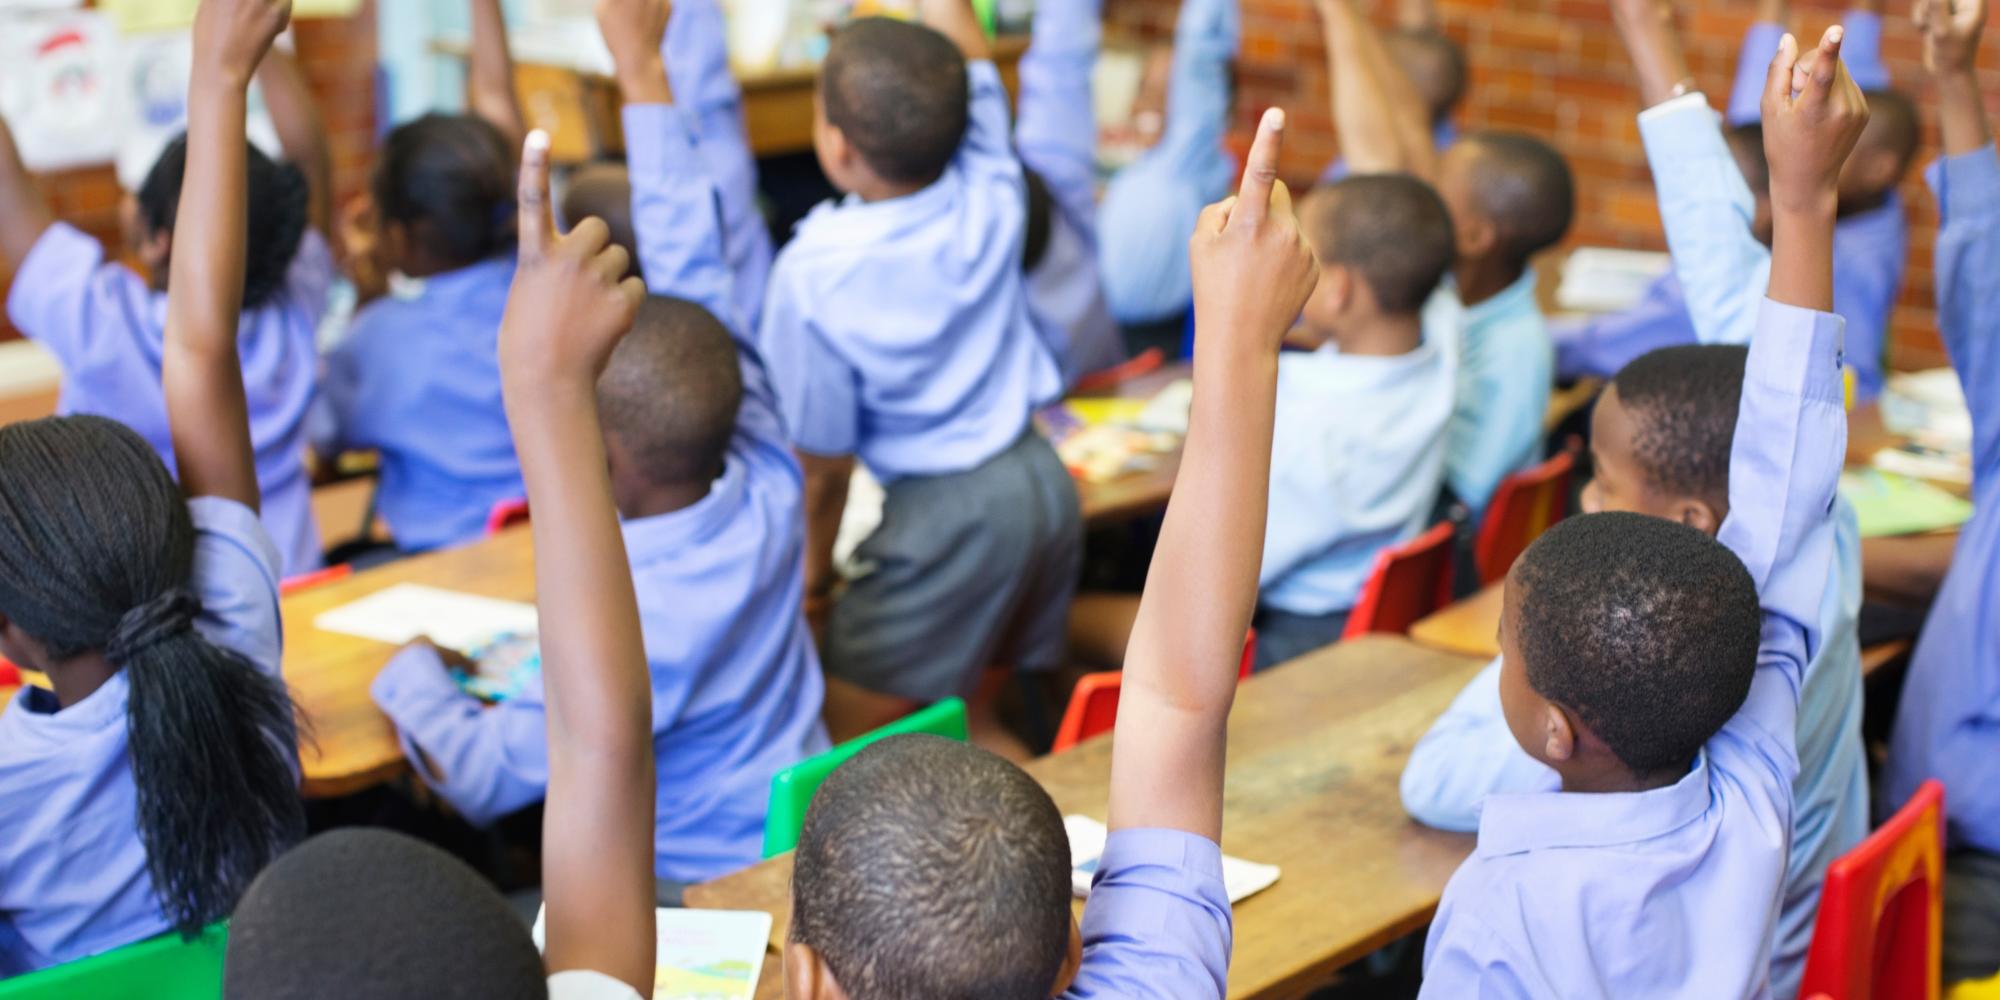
[[1890, 504], [704, 954], [1241, 878], [1601, 279]]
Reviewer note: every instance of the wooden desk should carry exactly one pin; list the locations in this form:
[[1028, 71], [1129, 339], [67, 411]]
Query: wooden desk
[[1468, 627], [1316, 748], [1142, 492], [349, 744]]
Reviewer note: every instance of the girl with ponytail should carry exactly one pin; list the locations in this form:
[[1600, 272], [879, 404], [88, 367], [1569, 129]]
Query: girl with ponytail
[[159, 776]]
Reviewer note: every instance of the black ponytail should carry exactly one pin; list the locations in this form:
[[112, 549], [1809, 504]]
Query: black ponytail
[[277, 219], [96, 553], [450, 179]]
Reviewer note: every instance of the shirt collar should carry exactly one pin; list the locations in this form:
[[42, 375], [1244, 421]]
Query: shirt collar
[[853, 221], [450, 285], [1534, 821], [700, 520]]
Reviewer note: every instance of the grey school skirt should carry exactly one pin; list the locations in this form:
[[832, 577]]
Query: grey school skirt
[[969, 570]]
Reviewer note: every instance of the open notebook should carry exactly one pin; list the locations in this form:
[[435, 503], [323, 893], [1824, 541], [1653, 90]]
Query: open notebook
[[1242, 878], [704, 954]]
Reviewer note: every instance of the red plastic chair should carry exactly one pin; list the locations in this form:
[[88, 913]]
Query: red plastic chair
[[1881, 911], [1409, 582], [1093, 706], [1125, 371], [307, 581], [10, 675], [1524, 506], [506, 514]]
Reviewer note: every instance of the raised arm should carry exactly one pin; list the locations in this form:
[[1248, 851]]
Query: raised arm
[[1417, 15], [489, 84], [955, 20], [201, 373], [1252, 274], [302, 133], [697, 57], [24, 212], [1378, 115], [566, 311], [1967, 181], [1056, 131], [1861, 51]]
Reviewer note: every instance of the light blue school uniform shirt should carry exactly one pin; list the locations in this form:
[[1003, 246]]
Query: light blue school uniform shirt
[[1356, 462], [898, 330], [1150, 206], [1676, 891], [1158, 922], [418, 380], [1948, 723], [1504, 368], [73, 878], [697, 58], [736, 680], [1469, 753], [106, 327], [1057, 139]]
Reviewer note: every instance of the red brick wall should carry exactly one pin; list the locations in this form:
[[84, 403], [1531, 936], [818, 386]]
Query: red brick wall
[[338, 57], [1557, 68]]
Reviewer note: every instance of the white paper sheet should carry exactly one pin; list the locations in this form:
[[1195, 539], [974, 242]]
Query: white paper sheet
[[1241, 878], [704, 954], [59, 92], [449, 618]]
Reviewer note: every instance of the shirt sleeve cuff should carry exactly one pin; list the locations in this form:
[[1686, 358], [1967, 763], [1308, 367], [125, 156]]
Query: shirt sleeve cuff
[[412, 686], [1967, 185], [657, 139], [1147, 847], [1779, 329], [1681, 126], [62, 257]]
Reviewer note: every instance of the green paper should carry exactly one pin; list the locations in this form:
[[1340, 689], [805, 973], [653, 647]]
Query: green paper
[[1890, 504]]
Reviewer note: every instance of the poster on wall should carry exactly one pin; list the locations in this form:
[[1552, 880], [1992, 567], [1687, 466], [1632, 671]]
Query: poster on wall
[[152, 77], [58, 94], [140, 16]]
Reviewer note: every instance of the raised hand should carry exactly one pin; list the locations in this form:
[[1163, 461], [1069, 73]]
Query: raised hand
[[1951, 30], [1813, 115], [1253, 269], [634, 30], [571, 301], [231, 36]]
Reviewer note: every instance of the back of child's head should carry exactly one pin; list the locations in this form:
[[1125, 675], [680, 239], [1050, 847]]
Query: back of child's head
[[930, 868], [1683, 402], [96, 555], [1391, 229], [1889, 143], [1040, 209], [1524, 187], [1434, 63], [1645, 628], [897, 91], [369, 913], [603, 190], [671, 392], [449, 181], [277, 214]]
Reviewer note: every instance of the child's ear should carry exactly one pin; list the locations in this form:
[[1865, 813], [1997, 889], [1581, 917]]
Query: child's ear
[[155, 247], [1477, 236], [1697, 514], [806, 975], [1877, 169], [1558, 734], [1072, 960]]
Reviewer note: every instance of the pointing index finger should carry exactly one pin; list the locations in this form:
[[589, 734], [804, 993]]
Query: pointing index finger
[[535, 219], [1260, 169]]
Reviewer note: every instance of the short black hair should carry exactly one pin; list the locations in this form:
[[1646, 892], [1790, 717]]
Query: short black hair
[[1894, 125], [898, 92], [450, 180], [1392, 229], [1434, 63], [1646, 628], [602, 189], [1684, 401], [277, 214], [369, 913], [1746, 144], [1040, 208], [930, 868], [671, 391], [1526, 188]]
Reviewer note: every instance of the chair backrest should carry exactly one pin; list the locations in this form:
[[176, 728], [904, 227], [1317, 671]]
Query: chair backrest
[[307, 581], [1881, 910], [10, 675], [792, 788], [1093, 705], [1409, 582], [1524, 506], [158, 968], [506, 514]]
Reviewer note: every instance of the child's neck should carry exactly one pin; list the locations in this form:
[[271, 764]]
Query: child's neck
[[1481, 278], [79, 678], [874, 189], [1605, 773], [654, 500], [1380, 336]]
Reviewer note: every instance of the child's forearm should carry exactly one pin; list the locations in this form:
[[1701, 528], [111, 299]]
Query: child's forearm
[[24, 213], [490, 81], [1378, 116], [1962, 112], [826, 484], [955, 20], [301, 132], [1802, 256], [1648, 30]]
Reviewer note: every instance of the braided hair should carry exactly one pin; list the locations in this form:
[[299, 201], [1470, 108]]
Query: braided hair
[[96, 553]]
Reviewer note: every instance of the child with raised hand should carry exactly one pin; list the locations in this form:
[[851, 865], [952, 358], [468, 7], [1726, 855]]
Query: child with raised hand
[[1945, 724], [1657, 671], [369, 913], [897, 331], [160, 774], [104, 322], [415, 379], [884, 903], [709, 494]]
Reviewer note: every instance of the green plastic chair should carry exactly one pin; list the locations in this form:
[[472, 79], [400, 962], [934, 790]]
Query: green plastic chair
[[792, 788], [158, 968]]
